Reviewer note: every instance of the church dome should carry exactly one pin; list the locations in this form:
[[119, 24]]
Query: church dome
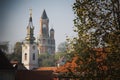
[[51, 29]]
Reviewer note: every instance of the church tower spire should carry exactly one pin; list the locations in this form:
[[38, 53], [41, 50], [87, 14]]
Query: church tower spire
[[29, 47], [30, 30], [44, 15]]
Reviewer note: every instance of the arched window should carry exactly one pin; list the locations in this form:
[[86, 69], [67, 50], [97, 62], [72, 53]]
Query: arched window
[[33, 56], [25, 56]]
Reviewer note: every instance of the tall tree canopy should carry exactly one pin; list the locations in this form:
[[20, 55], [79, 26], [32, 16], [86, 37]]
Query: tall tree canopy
[[97, 45]]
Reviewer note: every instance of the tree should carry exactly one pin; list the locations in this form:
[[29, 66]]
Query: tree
[[97, 23], [4, 46], [59, 55], [18, 48], [17, 54], [46, 60], [14, 57], [62, 47]]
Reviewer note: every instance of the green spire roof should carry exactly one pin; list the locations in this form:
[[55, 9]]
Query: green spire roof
[[44, 15]]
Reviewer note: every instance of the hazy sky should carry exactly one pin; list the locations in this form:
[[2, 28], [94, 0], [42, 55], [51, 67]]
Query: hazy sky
[[14, 17]]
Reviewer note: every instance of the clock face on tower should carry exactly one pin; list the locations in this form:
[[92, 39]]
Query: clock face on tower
[[44, 26], [44, 29]]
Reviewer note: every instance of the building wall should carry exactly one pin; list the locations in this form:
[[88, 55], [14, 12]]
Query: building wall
[[46, 45], [30, 55]]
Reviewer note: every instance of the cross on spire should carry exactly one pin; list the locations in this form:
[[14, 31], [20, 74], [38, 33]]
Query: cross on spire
[[30, 20], [30, 12]]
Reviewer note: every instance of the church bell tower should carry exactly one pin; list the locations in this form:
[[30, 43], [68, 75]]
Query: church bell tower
[[46, 40], [29, 47]]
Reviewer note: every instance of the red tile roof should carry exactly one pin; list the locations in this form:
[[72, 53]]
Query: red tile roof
[[47, 69]]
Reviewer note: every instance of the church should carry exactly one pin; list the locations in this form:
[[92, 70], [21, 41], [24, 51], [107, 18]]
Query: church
[[45, 42]]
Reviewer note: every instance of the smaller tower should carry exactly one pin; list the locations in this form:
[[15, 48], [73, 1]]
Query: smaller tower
[[52, 33], [29, 48], [52, 41]]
